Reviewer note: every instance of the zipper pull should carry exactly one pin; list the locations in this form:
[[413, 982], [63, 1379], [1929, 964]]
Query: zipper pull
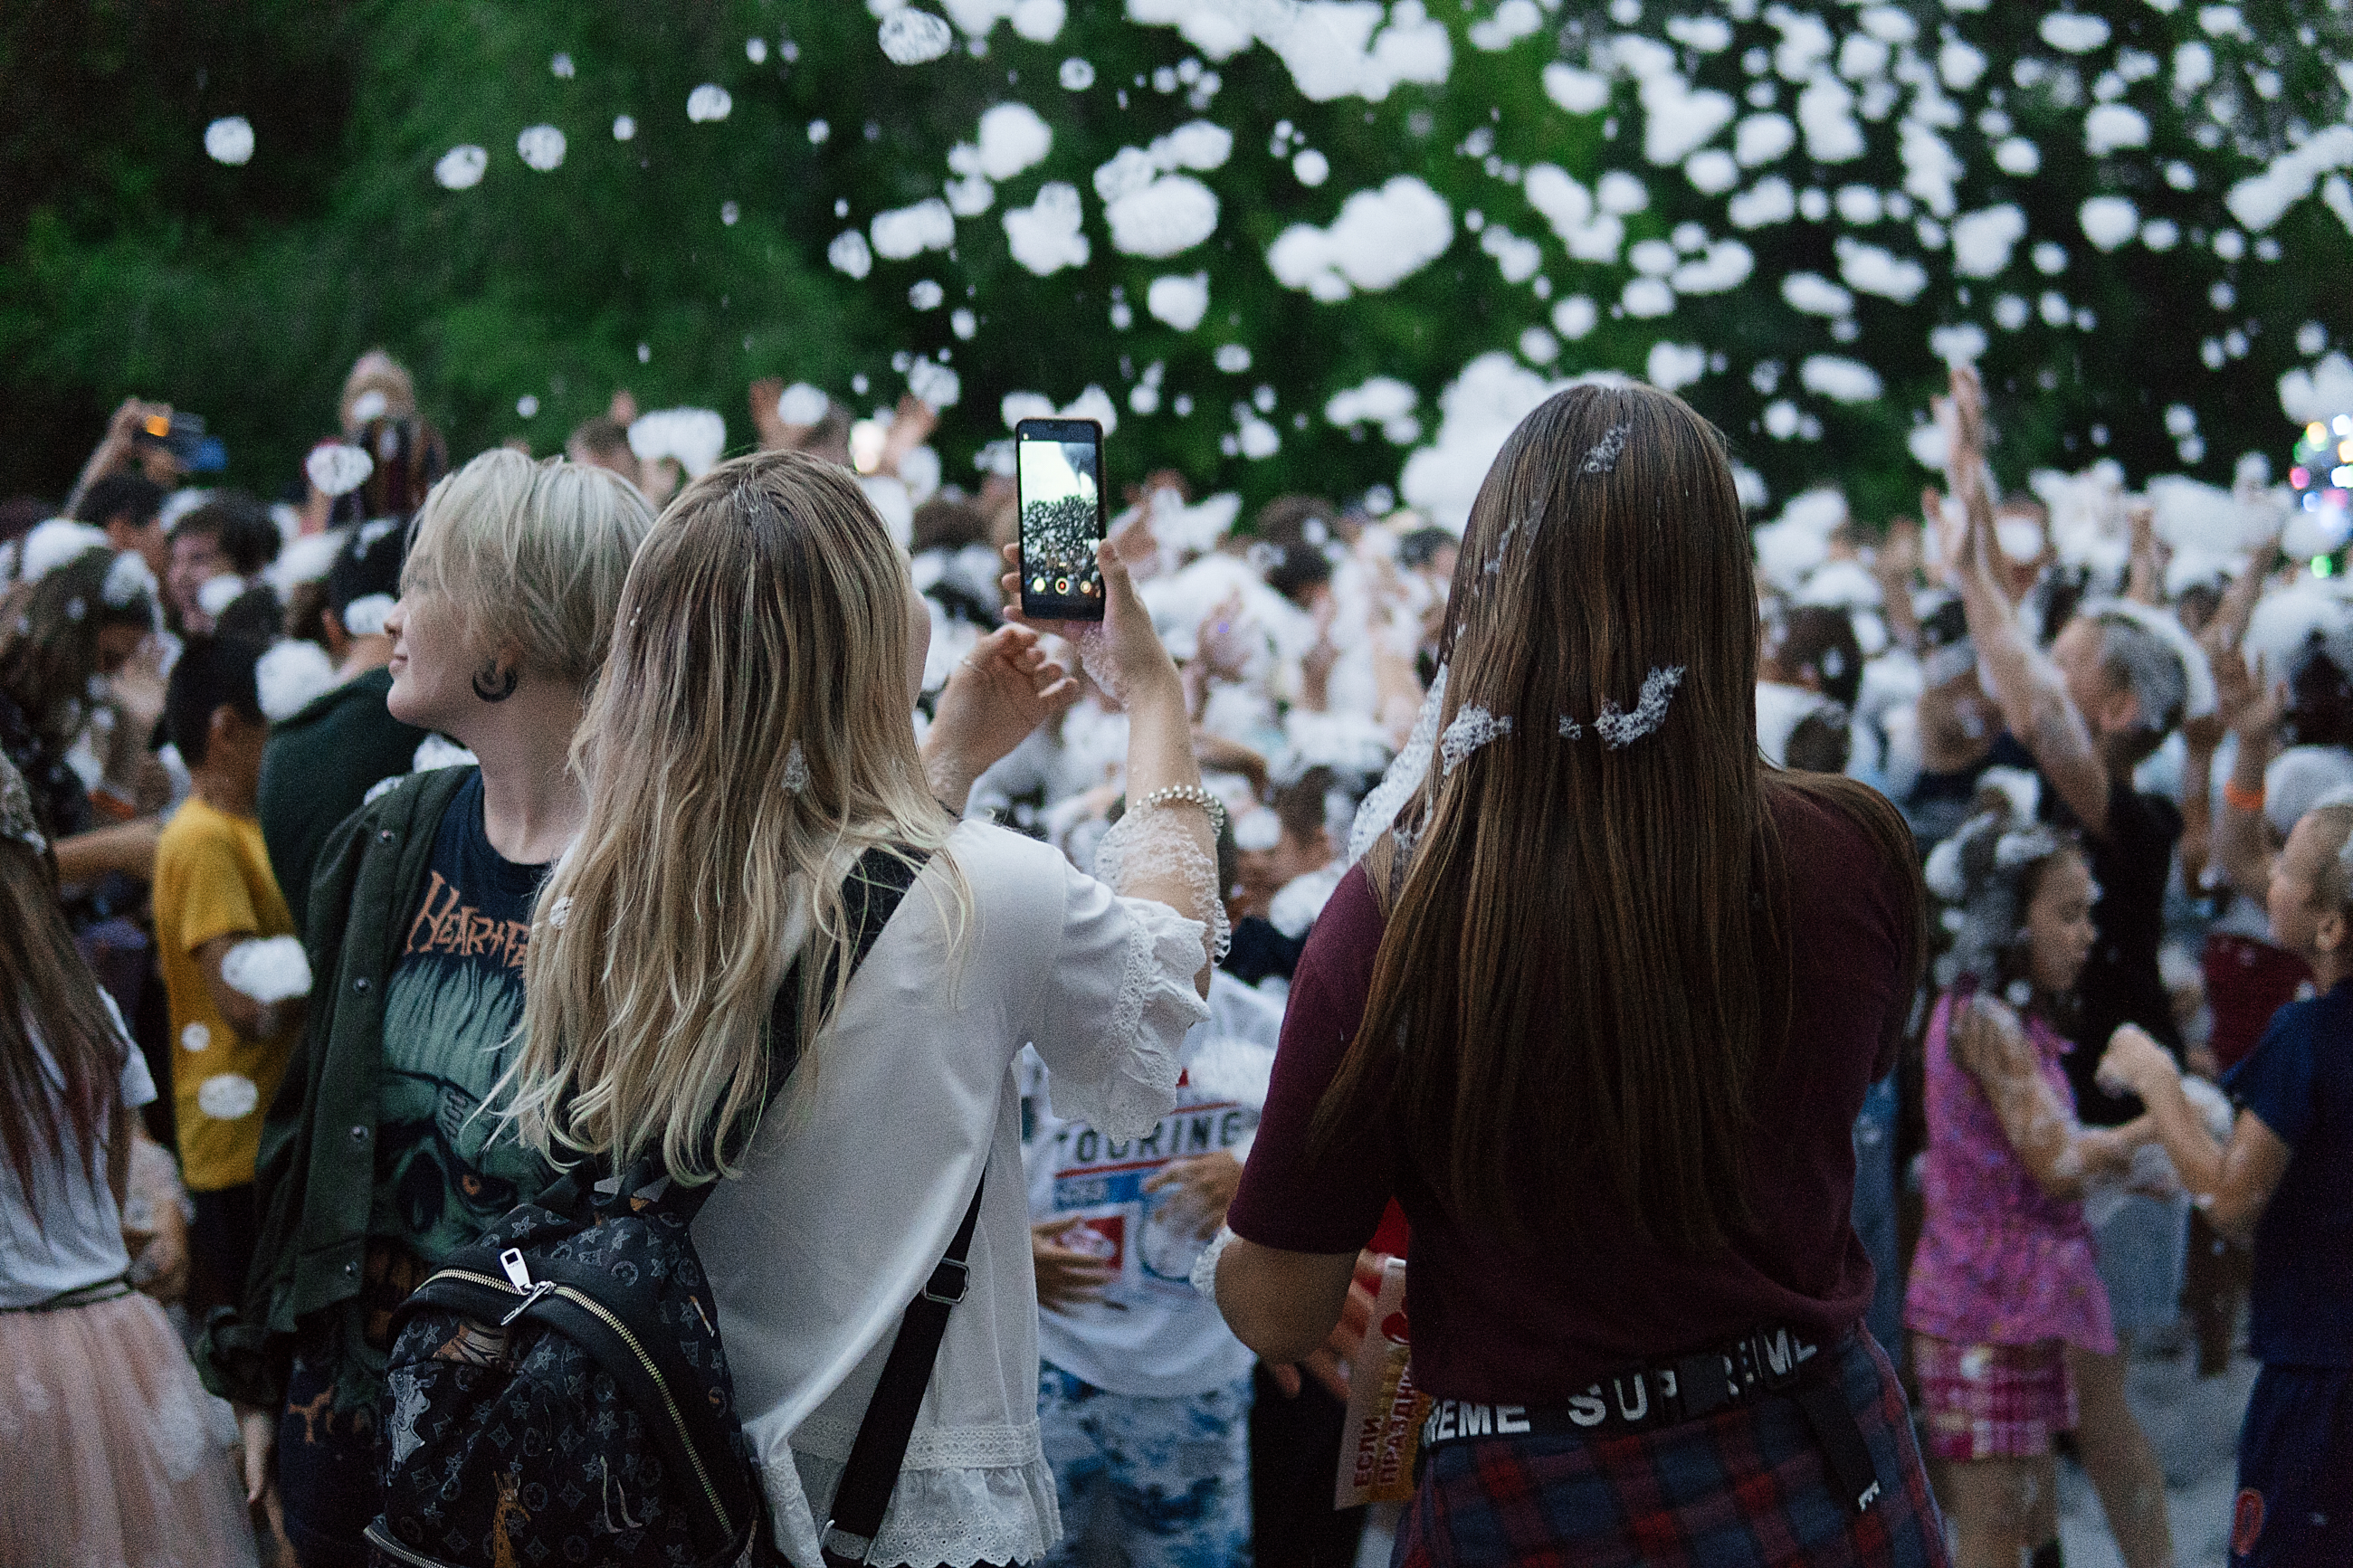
[[518, 1273]]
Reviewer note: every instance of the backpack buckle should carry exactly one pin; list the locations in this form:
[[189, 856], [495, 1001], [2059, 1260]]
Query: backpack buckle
[[947, 1290]]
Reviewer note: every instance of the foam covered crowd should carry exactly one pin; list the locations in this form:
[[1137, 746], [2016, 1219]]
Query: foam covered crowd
[[299, 784]]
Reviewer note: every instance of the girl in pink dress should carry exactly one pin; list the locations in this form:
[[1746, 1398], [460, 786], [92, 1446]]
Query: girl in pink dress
[[2005, 1278]]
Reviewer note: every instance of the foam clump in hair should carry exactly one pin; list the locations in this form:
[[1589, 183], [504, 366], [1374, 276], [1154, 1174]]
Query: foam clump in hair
[[268, 969], [1406, 773], [1472, 729], [796, 769], [1602, 457], [1619, 729]]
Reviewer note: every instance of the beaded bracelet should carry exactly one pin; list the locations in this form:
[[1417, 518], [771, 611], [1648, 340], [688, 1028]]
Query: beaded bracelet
[[1188, 794]]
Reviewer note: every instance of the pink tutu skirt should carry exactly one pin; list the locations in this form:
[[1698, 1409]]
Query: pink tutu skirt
[[111, 1453]]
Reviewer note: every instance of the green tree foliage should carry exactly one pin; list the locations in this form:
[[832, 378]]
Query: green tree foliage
[[691, 257]]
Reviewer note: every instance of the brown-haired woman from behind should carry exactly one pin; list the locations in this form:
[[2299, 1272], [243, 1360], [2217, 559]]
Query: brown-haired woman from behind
[[1600, 1010]]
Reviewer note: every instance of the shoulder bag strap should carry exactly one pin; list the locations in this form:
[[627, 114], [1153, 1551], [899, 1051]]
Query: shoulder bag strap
[[866, 1481]]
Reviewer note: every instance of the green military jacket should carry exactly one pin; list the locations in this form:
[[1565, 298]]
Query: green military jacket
[[316, 1173]]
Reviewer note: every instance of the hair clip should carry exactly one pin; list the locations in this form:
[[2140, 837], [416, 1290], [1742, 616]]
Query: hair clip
[[1472, 729], [1601, 457], [797, 770], [1619, 729]]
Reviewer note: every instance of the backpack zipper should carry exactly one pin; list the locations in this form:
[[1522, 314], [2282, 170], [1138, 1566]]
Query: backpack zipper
[[686, 1440]]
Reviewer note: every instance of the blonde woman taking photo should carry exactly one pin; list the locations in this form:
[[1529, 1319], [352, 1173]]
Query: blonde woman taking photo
[[749, 742]]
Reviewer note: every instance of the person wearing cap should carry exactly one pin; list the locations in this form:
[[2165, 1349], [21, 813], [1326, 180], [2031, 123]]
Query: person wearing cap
[[323, 761]]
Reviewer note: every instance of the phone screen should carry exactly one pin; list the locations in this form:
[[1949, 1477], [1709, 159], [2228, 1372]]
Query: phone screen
[[1059, 471]]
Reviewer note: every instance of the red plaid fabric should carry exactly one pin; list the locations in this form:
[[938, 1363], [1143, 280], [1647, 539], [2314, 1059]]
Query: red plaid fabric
[[1743, 1487], [1989, 1402]]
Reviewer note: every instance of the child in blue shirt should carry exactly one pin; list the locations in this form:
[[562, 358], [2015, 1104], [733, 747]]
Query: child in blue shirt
[[2286, 1178]]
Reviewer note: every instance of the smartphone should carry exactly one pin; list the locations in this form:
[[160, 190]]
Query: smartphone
[[1058, 478]]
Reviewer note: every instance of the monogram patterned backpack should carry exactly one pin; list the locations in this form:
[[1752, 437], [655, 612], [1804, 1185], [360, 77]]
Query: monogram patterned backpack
[[557, 1393]]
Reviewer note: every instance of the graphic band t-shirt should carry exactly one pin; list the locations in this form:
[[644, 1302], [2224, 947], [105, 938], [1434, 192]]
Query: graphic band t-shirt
[[2299, 1083], [445, 1174]]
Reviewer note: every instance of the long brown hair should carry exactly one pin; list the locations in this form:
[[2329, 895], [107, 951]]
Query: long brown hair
[[48, 636], [1586, 967], [46, 991]]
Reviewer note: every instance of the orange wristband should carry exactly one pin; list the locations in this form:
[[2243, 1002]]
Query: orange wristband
[[2237, 799]]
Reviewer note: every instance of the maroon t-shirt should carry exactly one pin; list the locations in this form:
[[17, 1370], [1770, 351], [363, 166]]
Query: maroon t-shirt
[[1498, 1323]]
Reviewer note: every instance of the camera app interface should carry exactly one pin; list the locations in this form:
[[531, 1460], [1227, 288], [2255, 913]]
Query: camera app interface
[[1060, 521]]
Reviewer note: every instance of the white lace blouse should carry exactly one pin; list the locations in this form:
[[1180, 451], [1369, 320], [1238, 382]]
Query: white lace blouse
[[849, 1200]]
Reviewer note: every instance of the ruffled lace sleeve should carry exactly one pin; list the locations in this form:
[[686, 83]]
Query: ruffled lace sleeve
[[1120, 1001]]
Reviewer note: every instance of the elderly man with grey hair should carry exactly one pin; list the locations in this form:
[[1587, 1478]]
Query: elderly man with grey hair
[[2118, 678]]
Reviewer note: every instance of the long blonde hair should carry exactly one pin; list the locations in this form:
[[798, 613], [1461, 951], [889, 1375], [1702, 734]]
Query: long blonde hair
[[751, 730]]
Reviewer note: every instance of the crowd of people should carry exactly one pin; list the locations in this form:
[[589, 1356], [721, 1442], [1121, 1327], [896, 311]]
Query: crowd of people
[[1356, 890]]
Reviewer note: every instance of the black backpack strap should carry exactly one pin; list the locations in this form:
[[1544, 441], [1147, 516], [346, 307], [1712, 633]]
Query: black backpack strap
[[864, 1493]]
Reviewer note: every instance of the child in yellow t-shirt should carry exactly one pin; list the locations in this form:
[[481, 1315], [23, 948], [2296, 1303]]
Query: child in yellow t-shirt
[[214, 892]]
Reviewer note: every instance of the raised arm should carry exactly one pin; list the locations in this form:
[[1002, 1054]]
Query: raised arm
[[2232, 1185], [2026, 685], [2252, 707], [1991, 1044]]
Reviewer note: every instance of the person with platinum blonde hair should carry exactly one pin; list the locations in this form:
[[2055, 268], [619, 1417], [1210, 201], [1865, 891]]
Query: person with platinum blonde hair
[[750, 745], [374, 1164]]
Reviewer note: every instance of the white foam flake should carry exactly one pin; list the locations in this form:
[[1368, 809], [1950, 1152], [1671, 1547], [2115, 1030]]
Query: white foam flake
[[1570, 209], [2261, 200], [1711, 170], [1574, 316], [1577, 91], [541, 147], [1816, 295], [1960, 64], [288, 677], [1333, 48], [2072, 32], [850, 254], [1044, 236], [1673, 366], [1179, 299], [1517, 259], [1647, 298], [1873, 270], [229, 140], [1762, 138], [694, 437], [267, 968], [913, 37], [1704, 35], [1512, 21], [227, 1097], [1963, 342], [2017, 156], [709, 103], [461, 168], [1171, 215], [1826, 115], [1725, 265], [1839, 379], [1679, 118], [1383, 400], [1012, 137], [2109, 221], [1982, 241], [337, 468], [2112, 126], [1311, 168], [912, 230], [1770, 201], [1379, 238], [2323, 391]]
